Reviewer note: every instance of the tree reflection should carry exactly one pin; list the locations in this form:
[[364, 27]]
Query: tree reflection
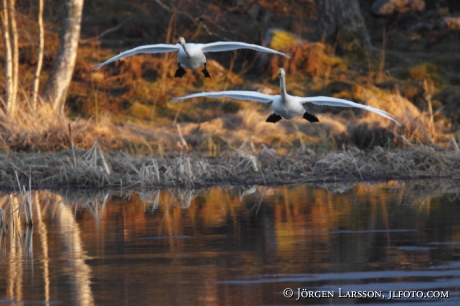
[[82, 239]]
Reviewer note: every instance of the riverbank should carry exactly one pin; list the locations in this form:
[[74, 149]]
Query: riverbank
[[94, 168]]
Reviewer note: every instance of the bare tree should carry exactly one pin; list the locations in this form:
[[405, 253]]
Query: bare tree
[[8, 53], [15, 50], [41, 45], [10, 41], [61, 75], [342, 20]]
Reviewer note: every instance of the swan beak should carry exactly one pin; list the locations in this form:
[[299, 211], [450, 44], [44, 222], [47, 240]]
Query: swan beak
[[181, 41], [281, 72]]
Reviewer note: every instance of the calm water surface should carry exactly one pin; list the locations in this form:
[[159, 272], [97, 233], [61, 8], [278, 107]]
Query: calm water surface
[[235, 246]]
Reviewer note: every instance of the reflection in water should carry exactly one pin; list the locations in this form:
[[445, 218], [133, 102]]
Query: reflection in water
[[72, 251], [231, 245], [64, 239], [43, 234]]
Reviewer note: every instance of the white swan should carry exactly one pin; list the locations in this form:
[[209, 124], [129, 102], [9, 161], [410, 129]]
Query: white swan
[[287, 106], [190, 55]]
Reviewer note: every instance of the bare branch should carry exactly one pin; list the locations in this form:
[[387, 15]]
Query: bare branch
[[41, 45], [163, 5], [108, 31], [196, 21]]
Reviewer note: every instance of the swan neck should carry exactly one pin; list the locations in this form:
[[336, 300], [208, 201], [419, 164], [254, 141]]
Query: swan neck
[[184, 46], [283, 92]]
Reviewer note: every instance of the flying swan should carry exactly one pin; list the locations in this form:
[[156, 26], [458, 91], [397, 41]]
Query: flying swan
[[286, 106], [190, 55]]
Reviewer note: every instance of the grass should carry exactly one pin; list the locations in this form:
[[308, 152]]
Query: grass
[[94, 168], [41, 130]]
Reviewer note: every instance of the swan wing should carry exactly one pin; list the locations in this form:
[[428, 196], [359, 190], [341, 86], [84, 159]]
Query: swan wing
[[159, 48], [234, 45], [234, 94], [329, 101]]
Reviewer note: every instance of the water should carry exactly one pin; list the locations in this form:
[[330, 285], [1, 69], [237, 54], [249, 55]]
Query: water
[[236, 246]]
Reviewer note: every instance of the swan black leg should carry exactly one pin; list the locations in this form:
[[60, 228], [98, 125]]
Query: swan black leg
[[273, 118], [179, 72], [310, 117], [206, 72]]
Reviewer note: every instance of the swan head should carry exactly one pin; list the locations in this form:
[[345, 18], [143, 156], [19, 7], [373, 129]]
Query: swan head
[[181, 41], [281, 73]]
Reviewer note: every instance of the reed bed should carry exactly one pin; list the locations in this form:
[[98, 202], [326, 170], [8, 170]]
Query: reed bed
[[94, 168]]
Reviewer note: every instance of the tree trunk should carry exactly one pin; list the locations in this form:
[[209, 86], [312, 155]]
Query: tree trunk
[[341, 22], [41, 45], [10, 41], [8, 54], [61, 75], [15, 48]]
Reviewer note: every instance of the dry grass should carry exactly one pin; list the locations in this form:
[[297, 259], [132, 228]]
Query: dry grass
[[41, 130], [417, 127], [95, 169]]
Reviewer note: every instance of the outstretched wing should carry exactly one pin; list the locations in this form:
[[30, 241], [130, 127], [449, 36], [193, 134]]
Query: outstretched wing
[[159, 48], [328, 101], [234, 45], [234, 94]]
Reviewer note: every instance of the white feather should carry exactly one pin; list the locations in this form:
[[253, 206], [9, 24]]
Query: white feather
[[232, 45], [160, 48], [329, 101], [234, 94]]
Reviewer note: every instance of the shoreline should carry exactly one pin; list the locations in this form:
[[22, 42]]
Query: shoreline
[[95, 169]]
